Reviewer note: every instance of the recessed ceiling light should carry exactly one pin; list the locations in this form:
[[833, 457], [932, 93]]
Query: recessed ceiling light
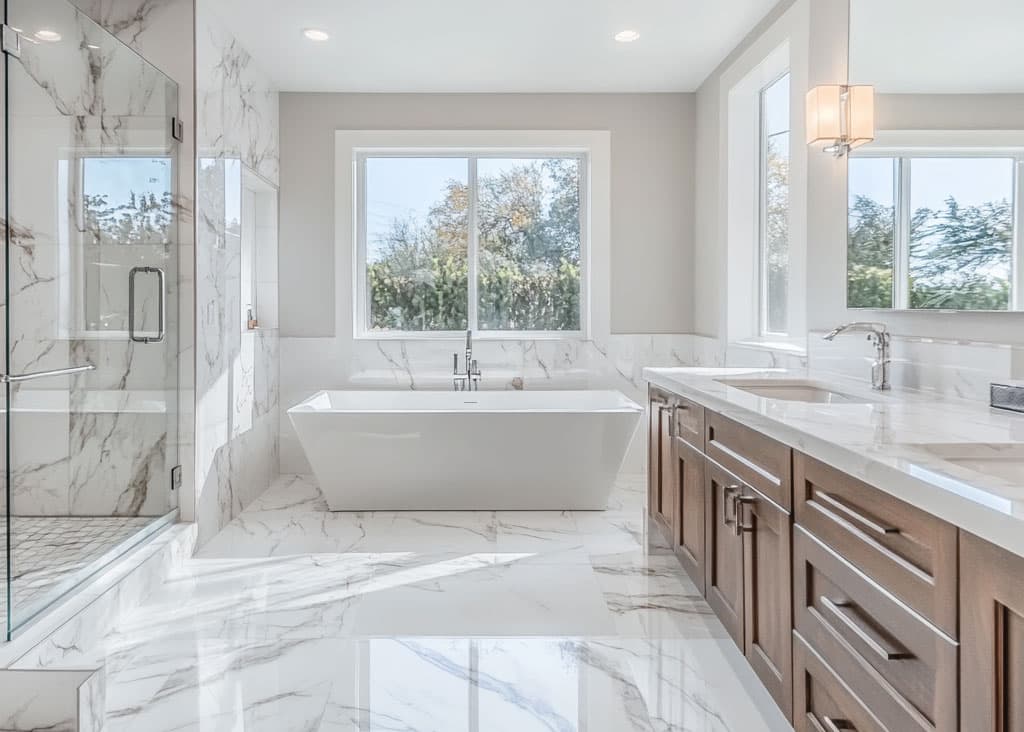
[[627, 36], [50, 36], [316, 34]]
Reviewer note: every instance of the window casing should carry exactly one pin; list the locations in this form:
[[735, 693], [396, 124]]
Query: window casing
[[886, 222], [547, 279], [774, 198]]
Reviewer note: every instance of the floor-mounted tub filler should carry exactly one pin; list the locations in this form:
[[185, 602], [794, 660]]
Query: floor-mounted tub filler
[[485, 450]]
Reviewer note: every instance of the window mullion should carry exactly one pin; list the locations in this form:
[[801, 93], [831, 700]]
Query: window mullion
[[474, 245], [901, 255]]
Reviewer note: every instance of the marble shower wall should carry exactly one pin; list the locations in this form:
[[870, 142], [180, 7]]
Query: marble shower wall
[[611, 362], [163, 32], [94, 444], [237, 418]]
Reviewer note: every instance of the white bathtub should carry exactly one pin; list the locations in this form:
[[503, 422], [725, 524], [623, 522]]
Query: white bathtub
[[487, 450]]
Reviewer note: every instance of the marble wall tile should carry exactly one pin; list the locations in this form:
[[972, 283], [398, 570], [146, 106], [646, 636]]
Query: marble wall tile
[[237, 383], [610, 362], [93, 93], [57, 700], [951, 368]]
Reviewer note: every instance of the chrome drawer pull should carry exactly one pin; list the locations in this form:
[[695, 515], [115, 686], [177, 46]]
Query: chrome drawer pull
[[738, 502], [844, 611], [837, 725], [728, 497], [869, 523]]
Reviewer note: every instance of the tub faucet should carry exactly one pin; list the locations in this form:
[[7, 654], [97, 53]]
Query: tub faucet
[[468, 380], [878, 334]]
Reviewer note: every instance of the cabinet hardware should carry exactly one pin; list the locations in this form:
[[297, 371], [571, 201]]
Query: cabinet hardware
[[738, 502], [728, 492], [871, 524], [845, 612], [837, 725]]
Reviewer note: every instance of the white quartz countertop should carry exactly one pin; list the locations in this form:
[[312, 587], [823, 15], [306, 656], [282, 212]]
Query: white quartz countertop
[[897, 442]]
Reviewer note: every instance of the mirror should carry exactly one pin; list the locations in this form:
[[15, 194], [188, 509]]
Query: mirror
[[935, 201]]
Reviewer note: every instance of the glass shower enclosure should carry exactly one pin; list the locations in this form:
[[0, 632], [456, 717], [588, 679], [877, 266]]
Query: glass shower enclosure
[[90, 303]]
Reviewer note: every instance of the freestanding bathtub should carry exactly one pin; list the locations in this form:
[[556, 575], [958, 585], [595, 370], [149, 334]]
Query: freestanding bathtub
[[486, 450]]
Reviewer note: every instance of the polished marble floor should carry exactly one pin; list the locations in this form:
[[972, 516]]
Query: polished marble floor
[[296, 618]]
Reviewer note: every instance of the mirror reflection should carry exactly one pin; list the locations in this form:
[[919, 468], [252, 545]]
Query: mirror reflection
[[934, 210]]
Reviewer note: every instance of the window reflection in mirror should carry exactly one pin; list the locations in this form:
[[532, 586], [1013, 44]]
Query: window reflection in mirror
[[930, 233], [934, 205]]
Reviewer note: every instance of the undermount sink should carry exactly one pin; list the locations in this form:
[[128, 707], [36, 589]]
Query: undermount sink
[[794, 390], [1004, 461]]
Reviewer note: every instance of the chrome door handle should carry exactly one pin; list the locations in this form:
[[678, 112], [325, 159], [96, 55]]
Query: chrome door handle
[[15, 378], [161, 305]]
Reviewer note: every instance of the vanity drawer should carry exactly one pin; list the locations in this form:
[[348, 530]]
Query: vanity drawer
[[823, 703], [910, 553], [759, 461], [689, 422], [842, 613]]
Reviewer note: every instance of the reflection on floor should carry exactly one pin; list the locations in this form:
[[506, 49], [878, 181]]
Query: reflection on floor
[[48, 551], [295, 618]]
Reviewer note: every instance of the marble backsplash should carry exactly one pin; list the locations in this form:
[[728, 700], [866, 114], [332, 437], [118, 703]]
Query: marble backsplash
[[615, 362], [961, 369]]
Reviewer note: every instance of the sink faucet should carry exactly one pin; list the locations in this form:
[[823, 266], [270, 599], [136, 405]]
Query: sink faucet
[[878, 334], [469, 380]]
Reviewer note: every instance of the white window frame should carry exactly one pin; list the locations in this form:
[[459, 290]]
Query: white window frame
[[904, 146], [762, 210], [361, 310]]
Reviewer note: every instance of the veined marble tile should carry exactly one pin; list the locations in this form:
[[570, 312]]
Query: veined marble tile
[[481, 594]]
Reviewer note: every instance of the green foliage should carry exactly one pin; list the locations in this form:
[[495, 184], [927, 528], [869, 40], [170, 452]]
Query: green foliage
[[529, 256], [960, 256], [141, 219]]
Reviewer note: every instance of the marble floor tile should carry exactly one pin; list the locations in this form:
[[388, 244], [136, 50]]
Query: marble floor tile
[[296, 618]]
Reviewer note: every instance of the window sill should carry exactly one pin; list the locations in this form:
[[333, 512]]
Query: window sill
[[778, 345], [460, 336]]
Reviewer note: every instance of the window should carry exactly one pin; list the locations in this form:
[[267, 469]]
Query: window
[[774, 208], [932, 231], [126, 220], [493, 242]]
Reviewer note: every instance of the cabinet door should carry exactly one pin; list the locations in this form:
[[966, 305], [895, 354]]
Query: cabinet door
[[690, 518], [661, 482], [991, 638], [767, 589], [723, 546]]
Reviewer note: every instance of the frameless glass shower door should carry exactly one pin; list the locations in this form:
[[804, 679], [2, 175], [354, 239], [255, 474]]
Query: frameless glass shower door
[[90, 301]]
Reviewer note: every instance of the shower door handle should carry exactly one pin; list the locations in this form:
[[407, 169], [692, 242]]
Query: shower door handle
[[161, 305]]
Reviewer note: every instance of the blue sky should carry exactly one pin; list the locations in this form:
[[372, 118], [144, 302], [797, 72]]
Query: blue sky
[[116, 177], [971, 181]]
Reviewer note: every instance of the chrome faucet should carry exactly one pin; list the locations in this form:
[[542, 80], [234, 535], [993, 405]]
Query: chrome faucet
[[878, 334], [468, 380]]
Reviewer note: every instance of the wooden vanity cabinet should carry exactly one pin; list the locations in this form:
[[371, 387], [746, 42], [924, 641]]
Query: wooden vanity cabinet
[[767, 592], [748, 571], [724, 551], [690, 524], [661, 485], [991, 638]]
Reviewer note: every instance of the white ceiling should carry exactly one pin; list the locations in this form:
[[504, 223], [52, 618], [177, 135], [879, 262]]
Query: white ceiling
[[938, 46], [491, 45]]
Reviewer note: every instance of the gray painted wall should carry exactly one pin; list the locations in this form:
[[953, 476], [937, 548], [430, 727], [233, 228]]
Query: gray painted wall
[[652, 190]]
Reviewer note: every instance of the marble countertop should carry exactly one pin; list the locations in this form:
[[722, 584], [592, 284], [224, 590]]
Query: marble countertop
[[898, 441]]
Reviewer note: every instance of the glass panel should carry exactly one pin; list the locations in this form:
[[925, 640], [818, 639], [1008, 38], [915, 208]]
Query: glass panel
[[775, 208], [872, 220], [529, 240], [416, 220], [91, 250], [961, 233]]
